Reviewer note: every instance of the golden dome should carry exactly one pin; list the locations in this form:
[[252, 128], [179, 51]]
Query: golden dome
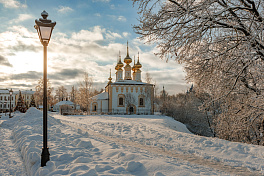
[[134, 68], [120, 64], [127, 59], [110, 79], [138, 65]]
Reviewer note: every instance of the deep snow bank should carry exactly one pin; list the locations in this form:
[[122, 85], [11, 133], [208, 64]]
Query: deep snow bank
[[71, 150], [169, 135], [27, 135], [76, 149]]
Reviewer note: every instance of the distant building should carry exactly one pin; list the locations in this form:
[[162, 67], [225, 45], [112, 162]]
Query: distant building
[[26, 95], [40, 107], [5, 100], [128, 94], [57, 106]]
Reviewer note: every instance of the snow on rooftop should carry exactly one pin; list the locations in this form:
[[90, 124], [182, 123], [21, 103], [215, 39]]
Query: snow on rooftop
[[100, 96], [4, 91], [64, 103], [129, 82], [27, 92]]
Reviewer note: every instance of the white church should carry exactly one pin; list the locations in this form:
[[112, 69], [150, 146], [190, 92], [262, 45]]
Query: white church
[[128, 94]]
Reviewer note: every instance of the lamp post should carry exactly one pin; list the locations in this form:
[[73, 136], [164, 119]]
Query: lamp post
[[10, 92], [153, 99], [44, 28]]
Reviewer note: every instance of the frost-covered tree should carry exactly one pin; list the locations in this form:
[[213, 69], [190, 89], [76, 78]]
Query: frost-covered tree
[[61, 93], [148, 78], [130, 101], [85, 92], [73, 95], [38, 95], [20, 106], [32, 102], [185, 108], [221, 45]]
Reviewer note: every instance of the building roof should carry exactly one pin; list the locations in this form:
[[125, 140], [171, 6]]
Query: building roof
[[31, 92], [101, 96], [129, 82], [64, 103], [4, 91], [28, 92]]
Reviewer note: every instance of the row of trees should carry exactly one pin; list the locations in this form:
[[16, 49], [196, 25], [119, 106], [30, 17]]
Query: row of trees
[[186, 108], [78, 95], [220, 43], [22, 106]]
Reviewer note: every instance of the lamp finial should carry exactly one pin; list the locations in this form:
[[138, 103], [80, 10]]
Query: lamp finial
[[44, 14]]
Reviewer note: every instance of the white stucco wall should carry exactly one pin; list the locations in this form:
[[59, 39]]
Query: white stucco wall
[[101, 100], [141, 92]]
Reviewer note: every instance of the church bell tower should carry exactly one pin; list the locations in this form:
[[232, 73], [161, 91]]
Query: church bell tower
[[127, 60]]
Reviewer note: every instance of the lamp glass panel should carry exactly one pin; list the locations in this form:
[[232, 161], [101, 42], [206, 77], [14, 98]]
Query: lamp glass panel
[[45, 32]]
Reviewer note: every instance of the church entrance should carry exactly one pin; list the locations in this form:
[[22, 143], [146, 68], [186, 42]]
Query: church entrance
[[131, 110]]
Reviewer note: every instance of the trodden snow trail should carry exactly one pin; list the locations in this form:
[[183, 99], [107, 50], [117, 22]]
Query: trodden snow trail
[[10, 159], [196, 160]]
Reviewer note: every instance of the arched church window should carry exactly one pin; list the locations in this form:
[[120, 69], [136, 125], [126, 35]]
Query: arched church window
[[121, 101], [94, 107], [141, 101]]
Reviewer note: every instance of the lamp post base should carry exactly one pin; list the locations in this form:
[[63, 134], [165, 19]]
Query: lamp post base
[[45, 156]]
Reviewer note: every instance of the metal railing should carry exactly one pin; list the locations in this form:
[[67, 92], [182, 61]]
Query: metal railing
[[140, 111]]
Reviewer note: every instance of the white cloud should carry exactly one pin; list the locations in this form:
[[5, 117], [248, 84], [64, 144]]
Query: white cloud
[[95, 35], [83, 51], [13, 4], [121, 18], [15, 34], [112, 35], [101, 0], [126, 34], [22, 17], [64, 9], [98, 14], [118, 18], [112, 6]]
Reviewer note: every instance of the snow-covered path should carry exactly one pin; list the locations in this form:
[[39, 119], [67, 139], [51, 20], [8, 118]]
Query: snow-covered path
[[10, 159], [192, 159], [120, 145], [108, 130]]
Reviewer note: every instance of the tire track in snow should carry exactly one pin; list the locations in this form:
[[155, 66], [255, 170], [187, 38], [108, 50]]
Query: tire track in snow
[[217, 165]]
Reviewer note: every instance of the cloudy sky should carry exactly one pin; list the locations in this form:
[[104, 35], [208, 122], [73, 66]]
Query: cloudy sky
[[87, 38]]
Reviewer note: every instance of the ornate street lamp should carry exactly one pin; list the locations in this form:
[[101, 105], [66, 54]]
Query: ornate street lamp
[[44, 28], [10, 92]]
